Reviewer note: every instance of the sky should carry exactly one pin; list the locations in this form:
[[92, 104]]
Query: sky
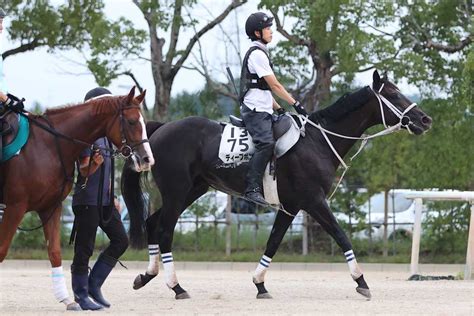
[[55, 79]]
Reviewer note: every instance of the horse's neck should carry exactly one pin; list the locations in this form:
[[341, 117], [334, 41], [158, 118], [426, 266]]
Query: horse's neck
[[79, 123], [353, 125]]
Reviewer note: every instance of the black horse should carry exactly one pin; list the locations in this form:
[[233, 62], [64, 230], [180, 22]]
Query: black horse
[[186, 159]]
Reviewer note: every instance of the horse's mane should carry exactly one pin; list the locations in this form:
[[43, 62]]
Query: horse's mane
[[346, 104], [101, 106]]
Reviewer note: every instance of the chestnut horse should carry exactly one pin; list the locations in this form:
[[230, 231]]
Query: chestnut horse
[[41, 176]]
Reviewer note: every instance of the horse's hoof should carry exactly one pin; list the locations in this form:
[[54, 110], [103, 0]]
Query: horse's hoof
[[73, 307], [364, 292], [182, 296], [264, 296], [142, 279]]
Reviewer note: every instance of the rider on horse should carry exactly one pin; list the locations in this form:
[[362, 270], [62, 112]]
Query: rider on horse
[[257, 103], [6, 100]]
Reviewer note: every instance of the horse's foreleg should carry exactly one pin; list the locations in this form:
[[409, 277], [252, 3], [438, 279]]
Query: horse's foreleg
[[323, 215], [280, 226], [152, 224], [165, 235], [12, 218], [51, 228]]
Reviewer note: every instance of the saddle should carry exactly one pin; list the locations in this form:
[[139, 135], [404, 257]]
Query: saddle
[[14, 133], [281, 124], [236, 144]]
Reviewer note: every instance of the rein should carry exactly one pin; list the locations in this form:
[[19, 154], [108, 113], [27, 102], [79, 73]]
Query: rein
[[404, 122]]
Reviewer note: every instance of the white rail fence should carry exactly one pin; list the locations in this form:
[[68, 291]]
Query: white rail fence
[[419, 196]]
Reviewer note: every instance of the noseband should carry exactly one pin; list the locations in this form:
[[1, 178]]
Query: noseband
[[405, 120]]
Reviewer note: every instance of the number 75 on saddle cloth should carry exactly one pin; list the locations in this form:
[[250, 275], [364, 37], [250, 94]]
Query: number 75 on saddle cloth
[[236, 145]]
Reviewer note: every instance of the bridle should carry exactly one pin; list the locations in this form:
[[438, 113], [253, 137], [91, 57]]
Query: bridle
[[125, 150], [405, 122]]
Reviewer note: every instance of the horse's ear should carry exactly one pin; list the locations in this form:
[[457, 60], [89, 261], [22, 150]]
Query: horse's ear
[[141, 97], [376, 78], [130, 96]]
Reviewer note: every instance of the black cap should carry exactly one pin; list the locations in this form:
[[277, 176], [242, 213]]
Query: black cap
[[2, 13], [257, 22], [96, 92]]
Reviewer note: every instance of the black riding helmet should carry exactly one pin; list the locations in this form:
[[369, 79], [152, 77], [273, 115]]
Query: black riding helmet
[[257, 22], [96, 92], [2, 13]]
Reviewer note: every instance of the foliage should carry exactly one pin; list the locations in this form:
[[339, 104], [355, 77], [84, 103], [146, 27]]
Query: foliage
[[78, 24], [203, 103], [34, 239], [446, 228], [429, 33]]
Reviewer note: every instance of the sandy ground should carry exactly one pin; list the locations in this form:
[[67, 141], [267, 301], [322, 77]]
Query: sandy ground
[[27, 290]]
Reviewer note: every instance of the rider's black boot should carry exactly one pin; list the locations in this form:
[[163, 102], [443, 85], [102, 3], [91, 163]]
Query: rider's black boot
[[257, 165]]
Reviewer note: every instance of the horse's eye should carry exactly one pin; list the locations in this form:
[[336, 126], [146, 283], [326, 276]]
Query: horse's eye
[[132, 122]]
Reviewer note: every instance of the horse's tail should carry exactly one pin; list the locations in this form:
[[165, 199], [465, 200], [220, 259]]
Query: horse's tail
[[152, 126], [137, 205]]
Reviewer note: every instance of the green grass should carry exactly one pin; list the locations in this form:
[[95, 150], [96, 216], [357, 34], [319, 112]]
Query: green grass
[[243, 256], [208, 244]]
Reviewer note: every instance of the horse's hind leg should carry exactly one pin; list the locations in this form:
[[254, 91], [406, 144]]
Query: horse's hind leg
[[280, 226], [51, 229], [321, 212], [12, 218]]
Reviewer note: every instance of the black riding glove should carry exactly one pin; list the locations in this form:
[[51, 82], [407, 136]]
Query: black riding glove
[[299, 108], [281, 111], [15, 103]]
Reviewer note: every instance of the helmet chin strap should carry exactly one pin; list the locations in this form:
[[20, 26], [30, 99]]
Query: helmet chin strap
[[261, 37]]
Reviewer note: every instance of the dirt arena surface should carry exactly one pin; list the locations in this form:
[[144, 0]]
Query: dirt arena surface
[[25, 289]]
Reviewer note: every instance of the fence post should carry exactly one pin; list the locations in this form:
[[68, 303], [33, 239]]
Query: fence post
[[305, 234], [415, 246], [468, 270], [228, 224]]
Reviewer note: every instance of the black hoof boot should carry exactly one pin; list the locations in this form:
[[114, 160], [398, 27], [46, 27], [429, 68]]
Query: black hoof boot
[[262, 291], [142, 279], [180, 293], [362, 287]]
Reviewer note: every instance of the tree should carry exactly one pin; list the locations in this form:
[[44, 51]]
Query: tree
[[337, 38], [162, 18], [82, 25], [342, 39], [79, 25], [435, 39]]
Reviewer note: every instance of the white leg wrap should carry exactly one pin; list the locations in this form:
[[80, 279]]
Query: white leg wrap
[[154, 259], [356, 272], [168, 266], [259, 275], [59, 285]]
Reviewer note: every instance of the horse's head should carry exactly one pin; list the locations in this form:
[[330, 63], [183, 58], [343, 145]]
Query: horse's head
[[395, 108], [129, 132]]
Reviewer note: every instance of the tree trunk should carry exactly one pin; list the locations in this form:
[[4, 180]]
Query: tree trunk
[[162, 100], [320, 91]]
